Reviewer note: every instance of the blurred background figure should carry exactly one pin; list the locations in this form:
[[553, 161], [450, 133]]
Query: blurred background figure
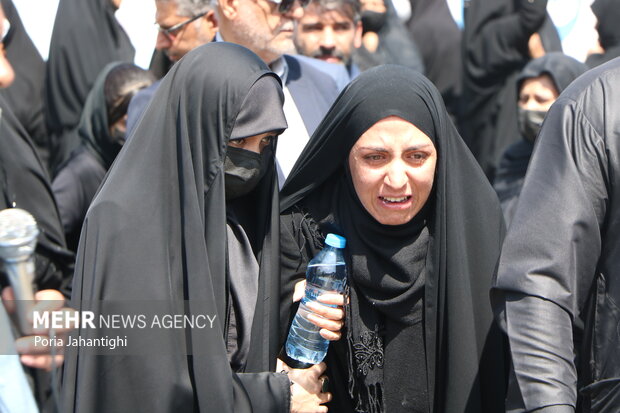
[[86, 37], [439, 43], [25, 93], [384, 38], [181, 26], [607, 13], [99, 137], [24, 183], [539, 84], [330, 30], [499, 39]]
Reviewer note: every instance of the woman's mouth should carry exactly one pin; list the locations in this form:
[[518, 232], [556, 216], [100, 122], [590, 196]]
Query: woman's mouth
[[395, 200]]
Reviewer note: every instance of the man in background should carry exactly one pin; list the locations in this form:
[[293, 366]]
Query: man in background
[[329, 31]]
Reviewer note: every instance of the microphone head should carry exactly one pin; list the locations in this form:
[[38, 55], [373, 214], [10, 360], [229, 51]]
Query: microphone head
[[18, 234]]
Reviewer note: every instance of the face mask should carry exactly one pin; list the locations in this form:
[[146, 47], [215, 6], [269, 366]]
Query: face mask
[[243, 170], [530, 122], [372, 21]]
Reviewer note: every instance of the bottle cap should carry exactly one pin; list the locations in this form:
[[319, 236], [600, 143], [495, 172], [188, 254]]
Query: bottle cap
[[335, 241]]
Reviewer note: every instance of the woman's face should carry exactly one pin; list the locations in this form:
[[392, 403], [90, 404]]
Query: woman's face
[[538, 93], [393, 167]]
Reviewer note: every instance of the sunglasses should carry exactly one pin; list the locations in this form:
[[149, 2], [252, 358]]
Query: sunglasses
[[284, 6], [171, 32]]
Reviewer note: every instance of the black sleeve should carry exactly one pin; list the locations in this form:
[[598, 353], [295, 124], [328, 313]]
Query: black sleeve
[[299, 236], [267, 392], [67, 188], [551, 253], [497, 45]]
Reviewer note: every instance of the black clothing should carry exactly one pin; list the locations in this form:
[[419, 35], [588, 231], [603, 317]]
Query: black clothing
[[510, 174], [440, 47], [395, 46], [495, 44], [25, 95], [74, 188], [431, 275], [157, 230], [93, 151], [24, 184], [555, 292], [607, 13], [86, 37]]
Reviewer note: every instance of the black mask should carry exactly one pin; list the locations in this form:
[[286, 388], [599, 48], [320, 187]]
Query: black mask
[[530, 122], [372, 21], [243, 170]]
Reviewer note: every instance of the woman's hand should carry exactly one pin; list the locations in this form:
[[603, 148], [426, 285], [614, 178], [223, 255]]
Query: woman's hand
[[32, 352], [307, 387], [330, 319]]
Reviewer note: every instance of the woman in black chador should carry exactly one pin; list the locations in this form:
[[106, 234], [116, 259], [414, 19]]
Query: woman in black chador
[[188, 212], [86, 37], [538, 86], [387, 170], [95, 143]]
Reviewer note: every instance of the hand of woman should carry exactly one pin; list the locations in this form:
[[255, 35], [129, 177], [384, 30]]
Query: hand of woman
[[35, 350], [307, 387], [329, 317]]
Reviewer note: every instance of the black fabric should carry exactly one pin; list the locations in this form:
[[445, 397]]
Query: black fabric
[[24, 183], [74, 188], [464, 351], [260, 112], [86, 37], [93, 131], [244, 273], [607, 13], [157, 231], [93, 149], [440, 47], [562, 70], [562, 251], [495, 50], [25, 94], [512, 167], [395, 46]]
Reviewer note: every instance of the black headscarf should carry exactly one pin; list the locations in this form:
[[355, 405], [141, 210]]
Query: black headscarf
[[607, 13], [93, 131], [511, 171], [86, 37], [464, 362], [25, 94], [157, 231]]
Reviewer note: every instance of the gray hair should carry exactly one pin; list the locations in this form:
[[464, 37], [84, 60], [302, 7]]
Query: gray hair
[[191, 8], [350, 8]]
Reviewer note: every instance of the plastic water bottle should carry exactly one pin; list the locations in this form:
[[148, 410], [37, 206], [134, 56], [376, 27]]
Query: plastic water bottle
[[326, 273]]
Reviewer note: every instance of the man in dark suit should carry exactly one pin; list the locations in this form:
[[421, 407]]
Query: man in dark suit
[[266, 27]]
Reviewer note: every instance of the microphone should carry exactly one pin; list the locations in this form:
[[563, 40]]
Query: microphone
[[18, 238]]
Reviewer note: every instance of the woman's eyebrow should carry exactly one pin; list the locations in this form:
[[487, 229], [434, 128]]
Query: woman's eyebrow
[[373, 148]]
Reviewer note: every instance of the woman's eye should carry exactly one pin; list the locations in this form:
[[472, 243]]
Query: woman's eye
[[267, 139], [374, 157], [418, 156]]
